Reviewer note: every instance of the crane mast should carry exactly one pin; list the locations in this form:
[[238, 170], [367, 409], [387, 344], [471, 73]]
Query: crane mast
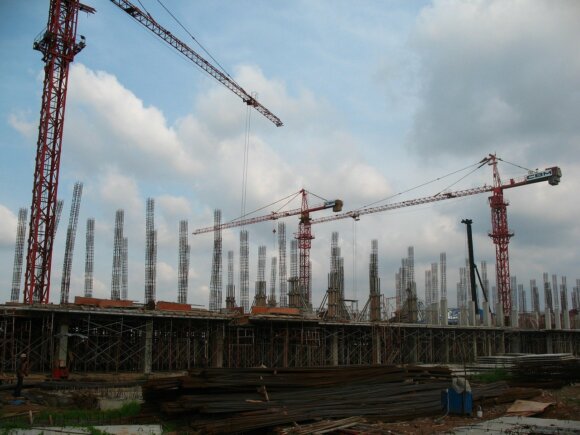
[[58, 45], [147, 21]]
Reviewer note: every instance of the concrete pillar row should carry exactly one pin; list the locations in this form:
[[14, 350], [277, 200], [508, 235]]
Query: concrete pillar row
[[444, 318]]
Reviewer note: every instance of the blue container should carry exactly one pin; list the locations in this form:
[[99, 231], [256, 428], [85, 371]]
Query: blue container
[[453, 402]]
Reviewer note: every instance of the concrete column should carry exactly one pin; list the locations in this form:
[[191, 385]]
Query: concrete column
[[444, 318], [548, 319], [549, 344], [148, 357], [557, 319], [62, 351], [486, 314], [334, 349], [471, 308], [436, 313], [463, 317], [514, 319], [499, 320], [217, 344], [566, 319]]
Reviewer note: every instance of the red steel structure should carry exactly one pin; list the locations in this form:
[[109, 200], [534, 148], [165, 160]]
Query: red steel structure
[[304, 235], [500, 233], [58, 45]]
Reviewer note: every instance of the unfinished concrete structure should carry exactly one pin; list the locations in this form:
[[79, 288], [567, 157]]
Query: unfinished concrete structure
[[141, 340]]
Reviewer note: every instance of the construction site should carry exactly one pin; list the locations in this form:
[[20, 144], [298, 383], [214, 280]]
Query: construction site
[[243, 364]]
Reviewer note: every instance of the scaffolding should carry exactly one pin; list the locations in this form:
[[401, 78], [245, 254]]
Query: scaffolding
[[144, 341]]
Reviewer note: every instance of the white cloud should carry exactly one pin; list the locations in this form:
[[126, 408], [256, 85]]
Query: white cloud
[[21, 124], [8, 228]]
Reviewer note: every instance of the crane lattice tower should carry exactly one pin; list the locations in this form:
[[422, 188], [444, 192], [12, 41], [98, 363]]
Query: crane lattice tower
[[58, 46]]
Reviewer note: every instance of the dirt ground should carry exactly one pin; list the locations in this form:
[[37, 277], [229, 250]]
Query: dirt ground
[[566, 407]]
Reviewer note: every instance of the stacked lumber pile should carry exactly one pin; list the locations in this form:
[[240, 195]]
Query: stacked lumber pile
[[238, 400], [546, 370]]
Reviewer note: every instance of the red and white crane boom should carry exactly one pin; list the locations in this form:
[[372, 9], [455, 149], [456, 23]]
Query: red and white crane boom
[[500, 232], [147, 21]]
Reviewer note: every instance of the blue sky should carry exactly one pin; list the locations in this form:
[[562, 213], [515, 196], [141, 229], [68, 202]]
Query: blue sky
[[376, 98]]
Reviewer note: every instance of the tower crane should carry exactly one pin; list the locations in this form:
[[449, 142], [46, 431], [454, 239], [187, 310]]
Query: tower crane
[[304, 235], [59, 46], [500, 233]]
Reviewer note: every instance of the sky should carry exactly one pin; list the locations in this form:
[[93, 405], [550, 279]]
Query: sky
[[378, 99]]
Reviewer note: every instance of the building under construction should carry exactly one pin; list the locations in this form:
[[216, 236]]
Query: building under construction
[[279, 328], [99, 336]]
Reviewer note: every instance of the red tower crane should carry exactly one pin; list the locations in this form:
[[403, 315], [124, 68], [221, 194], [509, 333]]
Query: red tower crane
[[58, 45], [148, 22], [304, 235], [500, 233]]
